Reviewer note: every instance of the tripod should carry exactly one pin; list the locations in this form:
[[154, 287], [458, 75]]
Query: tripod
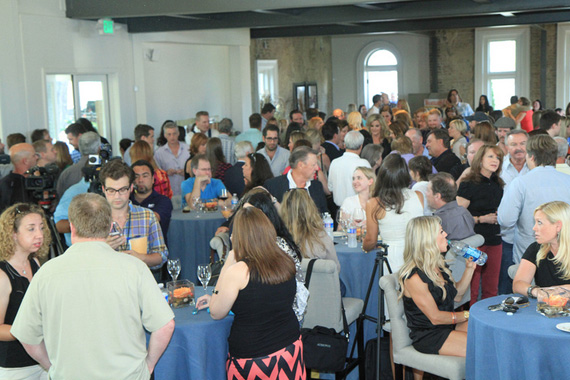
[[379, 261]]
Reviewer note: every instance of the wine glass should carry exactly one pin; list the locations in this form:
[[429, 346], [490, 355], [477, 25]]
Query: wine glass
[[204, 273], [223, 194], [341, 221], [358, 216], [173, 266]]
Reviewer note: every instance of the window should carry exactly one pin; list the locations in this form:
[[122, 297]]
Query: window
[[70, 97], [501, 64], [563, 66], [267, 82], [380, 75]]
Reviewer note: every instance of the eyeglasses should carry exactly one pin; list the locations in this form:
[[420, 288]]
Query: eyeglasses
[[272, 138], [121, 191]]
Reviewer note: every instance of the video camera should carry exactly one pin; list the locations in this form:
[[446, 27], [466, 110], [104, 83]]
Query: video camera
[[92, 168], [40, 182]]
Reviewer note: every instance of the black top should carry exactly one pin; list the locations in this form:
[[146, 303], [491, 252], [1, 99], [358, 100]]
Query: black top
[[264, 320], [12, 190], [13, 354], [446, 161], [418, 322], [484, 198], [367, 137], [547, 272], [233, 179]]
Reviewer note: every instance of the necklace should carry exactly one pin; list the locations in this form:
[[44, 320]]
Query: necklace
[[23, 270]]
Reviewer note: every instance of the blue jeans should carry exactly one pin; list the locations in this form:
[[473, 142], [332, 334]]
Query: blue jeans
[[505, 282]]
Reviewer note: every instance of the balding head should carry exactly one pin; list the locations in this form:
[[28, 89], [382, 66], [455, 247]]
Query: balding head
[[339, 114], [23, 156]]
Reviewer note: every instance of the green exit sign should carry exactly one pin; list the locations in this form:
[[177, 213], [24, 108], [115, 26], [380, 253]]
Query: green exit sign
[[108, 26]]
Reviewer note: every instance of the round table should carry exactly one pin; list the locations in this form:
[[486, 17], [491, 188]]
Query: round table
[[198, 348], [525, 345], [189, 237]]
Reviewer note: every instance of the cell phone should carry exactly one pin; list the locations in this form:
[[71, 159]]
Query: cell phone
[[115, 230], [496, 307]]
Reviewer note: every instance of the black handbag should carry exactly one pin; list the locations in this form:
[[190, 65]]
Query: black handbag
[[216, 266], [323, 348]]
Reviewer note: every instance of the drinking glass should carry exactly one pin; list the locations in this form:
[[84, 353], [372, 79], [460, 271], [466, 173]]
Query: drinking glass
[[341, 218], [173, 266], [197, 204], [204, 273], [358, 216], [223, 195]]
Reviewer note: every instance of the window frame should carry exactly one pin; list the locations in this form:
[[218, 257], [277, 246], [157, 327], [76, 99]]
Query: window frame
[[521, 75], [563, 65]]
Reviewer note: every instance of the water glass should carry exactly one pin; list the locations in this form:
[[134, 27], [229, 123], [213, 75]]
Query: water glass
[[204, 273], [173, 266]]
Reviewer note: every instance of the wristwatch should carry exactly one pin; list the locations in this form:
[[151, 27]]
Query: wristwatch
[[529, 291], [466, 314]]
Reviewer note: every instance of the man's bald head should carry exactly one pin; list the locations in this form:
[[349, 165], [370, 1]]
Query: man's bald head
[[23, 156]]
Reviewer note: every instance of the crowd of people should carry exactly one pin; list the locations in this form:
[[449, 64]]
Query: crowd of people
[[414, 180]]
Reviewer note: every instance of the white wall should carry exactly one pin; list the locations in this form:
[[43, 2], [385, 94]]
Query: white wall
[[412, 48]]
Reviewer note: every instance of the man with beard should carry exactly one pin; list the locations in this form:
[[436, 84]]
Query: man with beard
[[145, 196], [277, 157]]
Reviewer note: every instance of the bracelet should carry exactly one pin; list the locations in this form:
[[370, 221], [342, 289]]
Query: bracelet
[[466, 314], [529, 291], [453, 318], [216, 291], [477, 219]]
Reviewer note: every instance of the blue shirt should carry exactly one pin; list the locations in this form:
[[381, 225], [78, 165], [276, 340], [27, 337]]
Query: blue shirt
[[523, 195], [279, 161], [211, 191], [61, 211], [253, 135], [75, 156], [508, 173]]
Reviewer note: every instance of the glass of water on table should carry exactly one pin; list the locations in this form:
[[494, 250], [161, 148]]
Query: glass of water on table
[[204, 273]]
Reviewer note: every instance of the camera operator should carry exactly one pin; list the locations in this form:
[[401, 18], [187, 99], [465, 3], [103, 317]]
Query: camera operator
[[89, 143], [12, 186]]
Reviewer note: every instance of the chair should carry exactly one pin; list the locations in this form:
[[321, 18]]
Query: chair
[[324, 308], [457, 264], [449, 367]]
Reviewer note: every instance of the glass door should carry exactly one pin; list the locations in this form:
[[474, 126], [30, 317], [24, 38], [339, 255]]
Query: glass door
[[92, 101]]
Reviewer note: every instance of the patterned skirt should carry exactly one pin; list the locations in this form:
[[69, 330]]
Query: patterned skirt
[[285, 364]]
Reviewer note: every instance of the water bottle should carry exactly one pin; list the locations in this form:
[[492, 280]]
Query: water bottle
[[329, 224], [352, 236], [235, 201], [461, 249]]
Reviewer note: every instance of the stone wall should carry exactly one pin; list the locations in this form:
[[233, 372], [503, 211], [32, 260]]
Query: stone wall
[[303, 59], [535, 64]]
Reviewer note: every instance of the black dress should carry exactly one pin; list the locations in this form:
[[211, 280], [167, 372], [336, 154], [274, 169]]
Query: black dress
[[427, 337]]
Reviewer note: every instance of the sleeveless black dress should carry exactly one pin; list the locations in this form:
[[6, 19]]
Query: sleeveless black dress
[[427, 337]]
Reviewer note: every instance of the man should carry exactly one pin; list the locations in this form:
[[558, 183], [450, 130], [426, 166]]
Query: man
[[561, 164], [338, 113], [514, 163], [418, 149], [45, 152], [550, 122], [85, 313], [13, 139], [40, 134], [12, 186], [434, 119], [377, 103], [172, 157], [143, 132], [253, 134], [508, 111], [441, 195], [202, 126], [503, 126], [89, 143], [267, 112], [277, 157], [74, 132], [525, 193], [331, 135], [201, 185], [303, 163], [296, 116], [228, 144], [233, 180], [438, 146], [145, 195], [341, 169]]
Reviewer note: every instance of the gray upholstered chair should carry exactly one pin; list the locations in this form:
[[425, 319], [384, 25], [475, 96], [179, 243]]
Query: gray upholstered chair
[[449, 367], [323, 306], [457, 264]]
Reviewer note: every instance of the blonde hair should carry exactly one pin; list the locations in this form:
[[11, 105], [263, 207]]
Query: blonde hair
[[368, 173], [302, 219], [10, 222], [314, 121], [314, 136], [554, 212], [421, 251], [354, 120]]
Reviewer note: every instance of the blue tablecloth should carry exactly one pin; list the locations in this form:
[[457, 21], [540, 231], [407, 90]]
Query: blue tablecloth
[[199, 346], [189, 240], [525, 345]]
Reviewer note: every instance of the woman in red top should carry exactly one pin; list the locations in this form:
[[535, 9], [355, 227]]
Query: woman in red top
[[217, 159], [141, 150]]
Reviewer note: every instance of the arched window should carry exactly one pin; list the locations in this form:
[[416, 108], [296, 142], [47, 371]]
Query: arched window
[[380, 75]]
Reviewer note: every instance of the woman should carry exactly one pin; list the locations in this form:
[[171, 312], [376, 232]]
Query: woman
[[355, 124], [548, 260], [454, 99], [386, 113], [256, 171], [480, 193], [63, 159], [363, 183], [404, 117], [302, 219], [363, 111], [537, 105], [428, 291], [257, 283], [484, 131], [197, 146], [24, 237], [343, 129], [420, 169], [294, 137], [403, 105], [215, 155], [316, 139], [484, 105], [373, 154], [457, 130], [450, 114], [524, 117], [140, 150], [316, 123], [379, 131], [393, 205]]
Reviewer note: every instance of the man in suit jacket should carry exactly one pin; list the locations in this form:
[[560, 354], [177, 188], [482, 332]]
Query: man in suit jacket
[[332, 139], [303, 161], [234, 176]]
